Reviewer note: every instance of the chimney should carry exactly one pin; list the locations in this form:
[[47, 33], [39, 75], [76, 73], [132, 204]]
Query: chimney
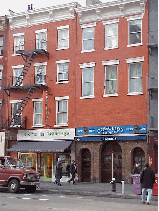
[[91, 2], [31, 6], [28, 7]]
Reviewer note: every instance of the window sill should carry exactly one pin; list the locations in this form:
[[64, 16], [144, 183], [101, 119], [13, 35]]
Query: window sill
[[87, 51], [135, 93], [110, 48], [41, 83], [62, 48], [1, 57], [111, 95], [62, 82], [38, 126], [16, 54], [87, 97], [64, 125], [134, 45]]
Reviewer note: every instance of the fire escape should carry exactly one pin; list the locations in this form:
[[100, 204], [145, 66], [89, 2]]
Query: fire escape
[[14, 119]]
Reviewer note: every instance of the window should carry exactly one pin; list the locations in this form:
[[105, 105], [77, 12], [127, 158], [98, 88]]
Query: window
[[18, 42], [40, 73], [63, 37], [62, 71], [41, 39], [18, 75], [88, 37], [16, 113], [1, 46], [111, 34], [62, 111], [37, 116], [135, 30], [1, 69], [135, 75]]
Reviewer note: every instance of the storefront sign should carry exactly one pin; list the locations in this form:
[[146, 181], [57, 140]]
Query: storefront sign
[[46, 134], [111, 130], [80, 131], [142, 128]]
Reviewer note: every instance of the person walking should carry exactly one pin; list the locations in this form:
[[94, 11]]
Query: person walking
[[147, 179], [58, 174], [73, 170]]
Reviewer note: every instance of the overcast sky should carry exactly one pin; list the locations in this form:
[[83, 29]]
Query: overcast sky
[[22, 5]]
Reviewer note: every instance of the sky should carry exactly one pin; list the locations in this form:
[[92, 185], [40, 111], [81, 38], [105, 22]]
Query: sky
[[22, 5]]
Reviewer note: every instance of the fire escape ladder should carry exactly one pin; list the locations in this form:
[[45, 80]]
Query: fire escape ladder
[[27, 65]]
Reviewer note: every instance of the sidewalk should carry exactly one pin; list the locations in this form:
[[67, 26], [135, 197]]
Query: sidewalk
[[91, 189]]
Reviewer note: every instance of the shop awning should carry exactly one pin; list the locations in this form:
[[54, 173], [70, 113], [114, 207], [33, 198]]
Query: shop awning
[[40, 146]]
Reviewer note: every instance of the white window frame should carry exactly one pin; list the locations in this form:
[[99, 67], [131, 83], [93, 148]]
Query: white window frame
[[34, 114], [84, 66], [84, 26], [58, 99], [21, 47], [110, 63], [133, 18], [15, 102], [38, 65], [14, 69], [1, 75], [114, 21], [61, 62], [1, 45], [131, 61], [39, 32], [59, 29]]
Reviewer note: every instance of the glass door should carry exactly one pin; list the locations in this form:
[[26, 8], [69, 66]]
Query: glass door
[[48, 167]]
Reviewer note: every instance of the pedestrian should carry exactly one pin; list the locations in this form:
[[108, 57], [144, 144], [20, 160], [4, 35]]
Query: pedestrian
[[73, 170], [136, 168], [58, 174], [147, 179]]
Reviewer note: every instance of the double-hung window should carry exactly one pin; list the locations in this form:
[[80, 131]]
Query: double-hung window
[[110, 82], [40, 73], [63, 37], [41, 39], [1, 70], [37, 115], [62, 71], [87, 80], [16, 113], [135, 30], [135, 75], [1, 45], [111, 34], [18, 42], [18, 75], [62, 111], [88, 34]]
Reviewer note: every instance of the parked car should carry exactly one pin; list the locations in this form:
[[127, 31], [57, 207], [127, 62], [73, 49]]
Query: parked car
[[14, 175]]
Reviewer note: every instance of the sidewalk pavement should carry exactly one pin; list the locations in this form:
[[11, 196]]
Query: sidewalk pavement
[[91, 189]]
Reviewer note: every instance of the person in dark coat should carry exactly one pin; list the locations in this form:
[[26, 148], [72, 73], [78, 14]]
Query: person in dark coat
[[136, 169], [147, 179], [73, 170], [58, 174]]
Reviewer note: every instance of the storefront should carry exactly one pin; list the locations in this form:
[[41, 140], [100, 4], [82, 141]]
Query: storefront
[[40, 149], [103, 153]]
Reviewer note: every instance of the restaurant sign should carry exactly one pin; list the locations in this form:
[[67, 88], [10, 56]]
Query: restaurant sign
[[46, 134]]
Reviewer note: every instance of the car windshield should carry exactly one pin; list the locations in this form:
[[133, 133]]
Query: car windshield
[[15, 163]]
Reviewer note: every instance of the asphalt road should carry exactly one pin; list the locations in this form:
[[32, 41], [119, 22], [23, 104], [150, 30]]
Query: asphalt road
[[23, 201]]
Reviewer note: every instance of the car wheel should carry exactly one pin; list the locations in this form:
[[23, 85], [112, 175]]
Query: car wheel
[[14, 186], [30, 189]]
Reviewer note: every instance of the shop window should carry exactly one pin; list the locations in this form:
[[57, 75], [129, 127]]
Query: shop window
[[40, 73], [37, 116], [62, 111], [29, 160], [62, 71], [18, 42], [63, 37], [41, 39], [1, 45]]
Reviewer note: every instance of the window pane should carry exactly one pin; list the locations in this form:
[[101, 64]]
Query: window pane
[[136, 85], [87, 89], [88, 44], [88, 33], [111, 30], [111, 72], [64, 106], [65, 118], [38, 119], [136, 70], [59, 118], [59, 106], [111, 87], [111, 42], [88, 75], [135, 32]]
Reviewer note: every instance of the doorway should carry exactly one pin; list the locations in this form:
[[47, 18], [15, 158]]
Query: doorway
[[138, 156], [48, 167], [86, 165]]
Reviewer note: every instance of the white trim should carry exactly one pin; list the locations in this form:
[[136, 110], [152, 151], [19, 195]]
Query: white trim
[[135, 17], [110, 62], [87, 97], [16, 101], [62, 98], [62, 125], [110, 48], [18, 35], [85, 65], [87, 51], [37, 100], [62, 61], [38, 126], [136, 59], [62, 27], [63, 48], [110, 21], [135, 93], [83, 26], [40, 64], [40, 31], [18, 66], [134, 45], [111, 95], [62, 82], [16, 54]]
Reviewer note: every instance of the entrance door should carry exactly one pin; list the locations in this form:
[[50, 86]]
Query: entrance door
[[48, 167], [111, 165], [139, 156], [86, 166]]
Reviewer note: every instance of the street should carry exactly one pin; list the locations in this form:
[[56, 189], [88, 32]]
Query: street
[[43, 201]]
